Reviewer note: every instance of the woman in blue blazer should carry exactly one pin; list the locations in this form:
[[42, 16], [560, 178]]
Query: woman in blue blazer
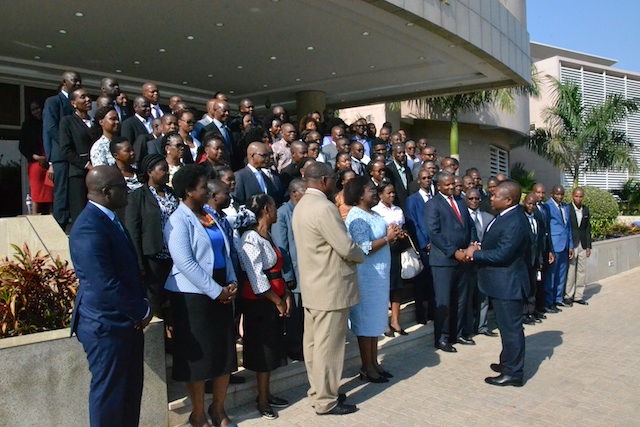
[[201, 286]]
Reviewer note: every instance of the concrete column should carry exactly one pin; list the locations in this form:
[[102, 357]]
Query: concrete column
[[308, 101]]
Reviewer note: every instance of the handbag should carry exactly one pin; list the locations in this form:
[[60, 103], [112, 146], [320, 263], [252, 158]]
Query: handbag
[[410, 262]]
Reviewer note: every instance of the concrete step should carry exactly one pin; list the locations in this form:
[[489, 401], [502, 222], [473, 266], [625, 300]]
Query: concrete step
[[295, 374]]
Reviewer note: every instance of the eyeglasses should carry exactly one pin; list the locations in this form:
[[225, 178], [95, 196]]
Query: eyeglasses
[[189, 122], [263, 155]]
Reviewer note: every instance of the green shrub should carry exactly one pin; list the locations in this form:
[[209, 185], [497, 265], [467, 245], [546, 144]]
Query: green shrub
[[37, 293], [526, 179], [603, 207], [629, 195]]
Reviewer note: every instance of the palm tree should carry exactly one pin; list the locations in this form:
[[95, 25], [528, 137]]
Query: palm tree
[[581, 138], [453, 105]]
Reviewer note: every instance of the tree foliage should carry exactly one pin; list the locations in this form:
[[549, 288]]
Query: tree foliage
[[580, 138]]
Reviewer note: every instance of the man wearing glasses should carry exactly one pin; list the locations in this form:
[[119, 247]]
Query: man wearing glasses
[[360, 127]]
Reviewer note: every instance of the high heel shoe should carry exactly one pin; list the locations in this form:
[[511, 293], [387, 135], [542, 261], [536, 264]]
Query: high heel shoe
[[401, 331], [384, 374], [390, 333], [365, 377]]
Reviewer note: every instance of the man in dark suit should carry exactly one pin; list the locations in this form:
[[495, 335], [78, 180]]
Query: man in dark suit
[[581, 234], [251, 179], [168, 123], [219, 127], [111, 309], [414, 214], [139, 124], [542, 215], [474, 295], [450, 231], [399, 174], [75, 144], [536, 260], [502, 274], [152, 95], [560, 227], [55, 108]]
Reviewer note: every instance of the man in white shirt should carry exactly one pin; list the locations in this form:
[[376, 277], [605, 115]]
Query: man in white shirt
[[151, 94]]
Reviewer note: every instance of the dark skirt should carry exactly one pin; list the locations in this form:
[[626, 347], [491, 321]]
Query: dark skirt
[[264, 348], [203, 337]]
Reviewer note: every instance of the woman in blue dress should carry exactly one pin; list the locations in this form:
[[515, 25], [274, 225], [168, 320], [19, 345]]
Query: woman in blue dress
[[369, 317]]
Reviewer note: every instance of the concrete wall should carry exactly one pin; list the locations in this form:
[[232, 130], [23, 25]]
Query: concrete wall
[[544, 172], [613, 256], [40, 232], [44, 380]]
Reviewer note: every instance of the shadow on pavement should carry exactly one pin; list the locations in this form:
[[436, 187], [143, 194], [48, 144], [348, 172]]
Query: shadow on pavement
[[402, 368], [591, 290], [540, 347]]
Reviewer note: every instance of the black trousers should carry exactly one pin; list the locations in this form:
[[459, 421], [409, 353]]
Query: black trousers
[[529, 306], [77, 196], [294, 326], [509, 319], [450, 298], [423, 291], [61, 193]]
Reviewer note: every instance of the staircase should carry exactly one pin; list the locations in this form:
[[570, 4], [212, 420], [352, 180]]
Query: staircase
[[295, 374]]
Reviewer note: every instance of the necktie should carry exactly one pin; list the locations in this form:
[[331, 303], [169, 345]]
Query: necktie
[[564, 219], [476, 221], [532, 221], [260, 179], [119, 224], [454, 206], [403, 177], [227, 139]]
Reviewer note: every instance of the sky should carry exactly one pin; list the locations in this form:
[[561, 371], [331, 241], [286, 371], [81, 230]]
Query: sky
[[608, 28]]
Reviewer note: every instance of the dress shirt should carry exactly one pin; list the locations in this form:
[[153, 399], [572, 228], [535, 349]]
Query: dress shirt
[[560, 208], [146, 123], [532, 223], [578, 212], [391, 215], [401, 171], [476, 217], [501, 214], [425, 196], [156, 111]]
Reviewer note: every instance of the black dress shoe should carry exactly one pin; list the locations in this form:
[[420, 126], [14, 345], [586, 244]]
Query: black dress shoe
[[552, 309], [581, 302], [341, 409], [466, 341], [446, 347], [421, 320], [488, 333], [539, 315], [385, 374], [496, 367], [364, 376], [564, 304], [504, 380], [529, 320]]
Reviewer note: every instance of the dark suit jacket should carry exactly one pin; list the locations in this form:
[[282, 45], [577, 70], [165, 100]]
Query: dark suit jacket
[[132, 128], [282, 234], [503, 260], [233, 154], [537, 254], [111, 292], [55, 108], [394, 176], [31, 138], [446, 232], [581, 234], [247, 185], [542, 216], [142, 220], [75, 144]]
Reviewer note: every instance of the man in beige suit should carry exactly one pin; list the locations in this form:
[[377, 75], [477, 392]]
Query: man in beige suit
[[327, 259]]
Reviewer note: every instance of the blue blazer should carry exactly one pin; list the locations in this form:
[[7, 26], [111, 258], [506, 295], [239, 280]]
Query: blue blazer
[[446, 232], [192, 254], [282, 235], [414, 215], [560, 232], [111, 292], [55, 108], [505, 256]]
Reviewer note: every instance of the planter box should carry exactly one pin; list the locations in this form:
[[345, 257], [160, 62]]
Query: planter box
[[613, 256], [44, 380]]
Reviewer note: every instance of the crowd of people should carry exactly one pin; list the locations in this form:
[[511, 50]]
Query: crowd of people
[[283, 235]]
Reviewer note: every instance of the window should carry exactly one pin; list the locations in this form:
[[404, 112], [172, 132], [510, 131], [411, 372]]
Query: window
[[499, 161]]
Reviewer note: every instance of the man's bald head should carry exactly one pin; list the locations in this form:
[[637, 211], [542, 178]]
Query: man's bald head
[[106, 186], [150, 91]]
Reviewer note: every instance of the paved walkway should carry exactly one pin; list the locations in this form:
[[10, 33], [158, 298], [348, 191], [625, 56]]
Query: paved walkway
[[582, 368]]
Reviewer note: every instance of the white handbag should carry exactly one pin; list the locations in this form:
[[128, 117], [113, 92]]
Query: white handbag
[[410, 262]]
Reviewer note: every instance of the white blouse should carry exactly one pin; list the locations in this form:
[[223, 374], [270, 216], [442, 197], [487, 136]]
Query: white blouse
[[392, 215], [256, 255]]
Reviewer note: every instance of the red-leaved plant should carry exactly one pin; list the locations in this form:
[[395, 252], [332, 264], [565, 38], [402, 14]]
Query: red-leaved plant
[[37, 293]]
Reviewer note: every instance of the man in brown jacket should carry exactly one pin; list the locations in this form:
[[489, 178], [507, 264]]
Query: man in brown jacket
[[327, 259]]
